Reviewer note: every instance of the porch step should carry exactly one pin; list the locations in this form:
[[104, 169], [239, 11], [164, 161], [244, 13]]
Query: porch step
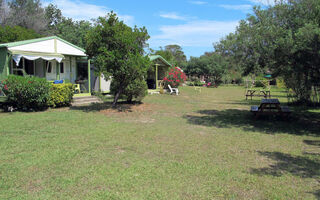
[[80, 101]]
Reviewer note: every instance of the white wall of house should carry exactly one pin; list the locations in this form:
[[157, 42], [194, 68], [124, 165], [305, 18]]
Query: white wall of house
[[66, 49], [105, 85], [43, 46]]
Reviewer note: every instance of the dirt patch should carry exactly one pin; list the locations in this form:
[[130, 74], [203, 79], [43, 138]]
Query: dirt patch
[[125, 109]]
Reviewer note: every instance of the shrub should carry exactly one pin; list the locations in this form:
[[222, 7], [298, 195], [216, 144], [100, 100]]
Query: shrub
[[175, 77], [136, 89], [261, 82], [61, 95], [27, 92], [281, 83], [3, 88], [213, 82]]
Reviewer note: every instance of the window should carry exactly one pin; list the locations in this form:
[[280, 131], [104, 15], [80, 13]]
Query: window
[[61, 68], [49, 66]]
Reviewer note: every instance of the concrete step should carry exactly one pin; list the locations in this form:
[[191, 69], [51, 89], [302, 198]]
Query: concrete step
[[79, 101]]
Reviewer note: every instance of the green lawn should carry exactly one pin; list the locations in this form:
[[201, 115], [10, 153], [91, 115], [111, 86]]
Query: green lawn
[[193, 146]]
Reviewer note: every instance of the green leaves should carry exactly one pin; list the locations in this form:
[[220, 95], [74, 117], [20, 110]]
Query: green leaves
[[283, 39], [16, 33], [117, 50], [27, 92]]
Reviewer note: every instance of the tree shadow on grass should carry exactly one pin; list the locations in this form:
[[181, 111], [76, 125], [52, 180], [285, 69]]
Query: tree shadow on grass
[[245, 120], [312, 142], [301, 166], [317, 194]]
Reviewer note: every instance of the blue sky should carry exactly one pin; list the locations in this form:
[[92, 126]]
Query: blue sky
[[194, 25]]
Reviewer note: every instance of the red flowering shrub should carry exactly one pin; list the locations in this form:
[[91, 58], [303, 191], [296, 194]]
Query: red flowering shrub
[[175, 77], [27, 92], [3, 88]]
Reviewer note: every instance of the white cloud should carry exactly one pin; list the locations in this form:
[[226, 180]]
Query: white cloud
[[263, 2], [79, 10], [195, 33], [172, 15], [244, 8], [198, 2]]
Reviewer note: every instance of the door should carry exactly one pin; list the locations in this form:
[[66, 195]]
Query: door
[[65, 70], [51, 73]]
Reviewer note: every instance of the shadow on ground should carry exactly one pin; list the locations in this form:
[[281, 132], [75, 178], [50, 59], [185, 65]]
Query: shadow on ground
[[301, 166], [312, 142], [97, 107], [244, 119]]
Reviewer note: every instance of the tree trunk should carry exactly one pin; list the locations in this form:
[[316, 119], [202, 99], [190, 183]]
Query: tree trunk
[[116, 97]]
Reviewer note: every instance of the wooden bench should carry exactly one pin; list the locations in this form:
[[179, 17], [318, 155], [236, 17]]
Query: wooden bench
[[270, 107], [262, 93]]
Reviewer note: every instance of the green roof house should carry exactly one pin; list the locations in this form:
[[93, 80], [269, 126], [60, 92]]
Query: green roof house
[[50, 57], [158, 71]]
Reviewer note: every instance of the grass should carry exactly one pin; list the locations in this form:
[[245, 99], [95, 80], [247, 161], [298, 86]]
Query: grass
[[192, 146]]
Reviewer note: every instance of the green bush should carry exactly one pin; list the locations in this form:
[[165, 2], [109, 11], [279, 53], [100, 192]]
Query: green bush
[[137, 89], [27, 92], [281, 83], [61, 95], [261, 82]]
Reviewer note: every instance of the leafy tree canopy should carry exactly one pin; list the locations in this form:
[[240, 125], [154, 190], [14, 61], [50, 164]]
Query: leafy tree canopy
[[211, 65], [28, 14], [173, 54], [284, 39], [117, 50], [16, 33]]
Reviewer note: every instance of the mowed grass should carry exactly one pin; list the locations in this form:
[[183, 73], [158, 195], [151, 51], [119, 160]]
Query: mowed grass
[[193, 146]]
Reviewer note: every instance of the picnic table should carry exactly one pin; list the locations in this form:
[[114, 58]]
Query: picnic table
[[270, 107], [262, 93]]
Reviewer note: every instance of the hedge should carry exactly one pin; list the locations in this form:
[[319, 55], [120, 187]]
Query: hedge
[[61, 95], [27, 92], [32, 93]]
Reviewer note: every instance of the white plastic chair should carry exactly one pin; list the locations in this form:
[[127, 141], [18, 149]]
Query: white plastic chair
[[173, 90]]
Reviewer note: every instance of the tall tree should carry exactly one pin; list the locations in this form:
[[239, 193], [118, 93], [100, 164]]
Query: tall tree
[[28, 14], [117, 50], [54, 17], [66, 28], [4, 12], [211, 65], [179, 56], [285, 39], [173, 54]]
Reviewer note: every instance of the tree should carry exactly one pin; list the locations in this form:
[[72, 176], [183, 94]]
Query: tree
[[176, 51], [211, 65], [173, 54], [28, 14], [117, 51], [66, 28], [54, 17], [284, 39], [4, 12], [16, 33]]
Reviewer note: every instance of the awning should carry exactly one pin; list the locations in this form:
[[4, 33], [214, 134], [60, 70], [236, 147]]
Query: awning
[[17, 58]]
